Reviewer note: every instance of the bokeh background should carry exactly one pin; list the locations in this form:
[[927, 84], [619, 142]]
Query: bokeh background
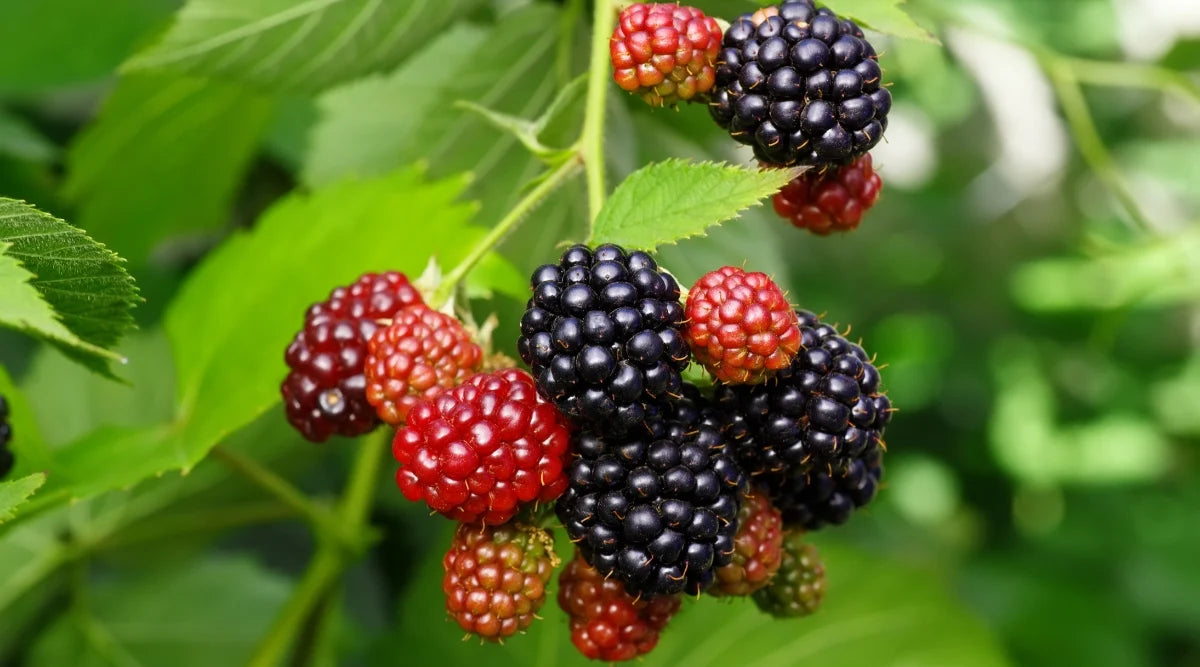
[[1030, 277]]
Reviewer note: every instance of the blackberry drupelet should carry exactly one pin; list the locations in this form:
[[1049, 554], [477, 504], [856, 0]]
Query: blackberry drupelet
[[603, 337], [800, 85], [7, 459], [657, 509], [820, 413], [821, 498]]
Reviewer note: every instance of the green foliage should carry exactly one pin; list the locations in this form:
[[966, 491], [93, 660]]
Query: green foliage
[[284, 45], [668, 201], [18, 139], [62, 285], [13, 494], [163, 160]]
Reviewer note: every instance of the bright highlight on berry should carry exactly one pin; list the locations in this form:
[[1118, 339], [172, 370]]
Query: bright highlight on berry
[[664, 52]]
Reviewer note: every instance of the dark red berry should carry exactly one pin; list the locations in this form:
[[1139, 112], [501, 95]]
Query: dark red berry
[[418, 355], [831, 200], [479, 451], [664, 52], [758, 549], [607, 623], [495, 577], [740, 326], [325, 391]]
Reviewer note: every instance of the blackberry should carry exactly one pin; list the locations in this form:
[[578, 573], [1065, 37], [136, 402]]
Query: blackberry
[[830, 200], [607, 623], [7, 459], [656, 508], [800, 85], [603, 336], [664, 52], [819, 414], [821, 498]]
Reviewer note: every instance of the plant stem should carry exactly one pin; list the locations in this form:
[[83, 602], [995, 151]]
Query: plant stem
[[321, 518], [332, 555], [555, 178], [1132, 75], [592, 141], [1088, 138]]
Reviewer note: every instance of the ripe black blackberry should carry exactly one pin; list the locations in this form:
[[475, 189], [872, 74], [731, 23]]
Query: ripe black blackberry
[[602, 334], [7, 460], [800, 85], [657, 508], [818, 415], [819, 498]]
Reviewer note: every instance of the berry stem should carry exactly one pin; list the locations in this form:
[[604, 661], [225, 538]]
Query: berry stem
[[322, 520], [592, 141], [530, 201], [332, 557]]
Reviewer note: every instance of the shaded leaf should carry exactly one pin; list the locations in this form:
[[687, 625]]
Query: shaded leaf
[[284, 44], [884, 16], [18, 139], [672, 200], [164, 157]]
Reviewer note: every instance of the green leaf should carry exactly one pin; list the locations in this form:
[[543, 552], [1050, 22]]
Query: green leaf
[[18, 139], [169, 616], [27, 441], [668, 201], [164, 157], [53, 43], [290, 45], [13, 494], [884, 16], [876, 612], [528, 132]]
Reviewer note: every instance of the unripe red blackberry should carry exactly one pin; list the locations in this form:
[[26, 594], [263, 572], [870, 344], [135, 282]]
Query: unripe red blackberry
[[479, 451], [656, 509], [819, 414], [664, 52], [800, 86], [496, 576], [740, 326], [418, 355], [758, 548], [602, 335], [832, 200], [325, 391], [7, 459], [607, 623], [799, 586]]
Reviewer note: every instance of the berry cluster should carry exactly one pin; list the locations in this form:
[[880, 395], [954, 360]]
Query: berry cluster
[[800, 85], [7, 460]]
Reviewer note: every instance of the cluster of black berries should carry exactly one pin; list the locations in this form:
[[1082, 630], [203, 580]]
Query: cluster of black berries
[[812, 435], [800, 85], [653, 497], [7, 460]]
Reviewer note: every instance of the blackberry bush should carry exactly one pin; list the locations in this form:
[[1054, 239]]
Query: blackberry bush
[[800, 85], [602, 334]]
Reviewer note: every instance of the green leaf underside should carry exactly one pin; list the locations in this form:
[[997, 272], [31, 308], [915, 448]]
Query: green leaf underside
[[876, 613], [183, 145], [290, 45], [884, 16], [673, 200], [62, 285], [13, 494]]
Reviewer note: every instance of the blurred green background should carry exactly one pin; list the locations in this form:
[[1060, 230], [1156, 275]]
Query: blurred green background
[[1030, 277]]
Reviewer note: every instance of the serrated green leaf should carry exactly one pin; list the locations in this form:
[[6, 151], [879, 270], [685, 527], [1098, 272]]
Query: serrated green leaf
[[182, 145], [13, 494], [528, 132], [290, 45], [884, 16], [54, 43], [668, 201]]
